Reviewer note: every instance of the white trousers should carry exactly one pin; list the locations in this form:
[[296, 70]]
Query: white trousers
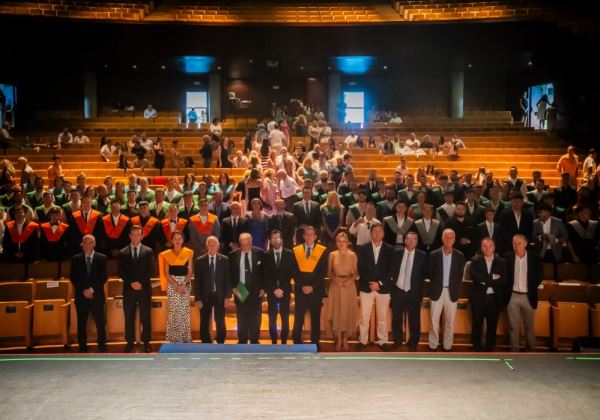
[[449, 308], [382, 304]]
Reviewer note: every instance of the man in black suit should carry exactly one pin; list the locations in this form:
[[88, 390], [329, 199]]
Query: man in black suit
[[218, 207], [514, 220], [489, 228], [212, 288], [135, 268], [307, 213], [231, 229], [524, 277], [465, 229], [409, 266], [284, 222], [374, 263], [88, 275], [310, 269], [246, 272], [446, 268], [488, 274], [279, 264]]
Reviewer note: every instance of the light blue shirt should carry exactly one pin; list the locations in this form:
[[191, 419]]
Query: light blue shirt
[[447, 260]]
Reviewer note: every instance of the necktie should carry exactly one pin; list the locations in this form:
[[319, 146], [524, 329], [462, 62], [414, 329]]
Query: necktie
[[308, 250], [407, 273], [306, 208], [135, 254], [88, 263], [234, 224], [280, 217], [211, 268], [277, 258], [85, 217], [247, 269]]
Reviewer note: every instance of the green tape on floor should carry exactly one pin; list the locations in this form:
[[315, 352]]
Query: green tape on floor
[[76, 359], [437, 359]]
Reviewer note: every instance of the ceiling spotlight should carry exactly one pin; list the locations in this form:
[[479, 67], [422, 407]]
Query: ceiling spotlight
[[219, 68], [530, 63], [134, 66], [301, 67], [469, 65], [163, 67], [329, 68], [385, 67], [251, 61], [106, 66]]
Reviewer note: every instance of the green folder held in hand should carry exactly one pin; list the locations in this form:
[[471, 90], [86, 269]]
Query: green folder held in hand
[[242, 292]]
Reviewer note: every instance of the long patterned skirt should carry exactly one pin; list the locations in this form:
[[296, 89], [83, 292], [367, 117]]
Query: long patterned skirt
[[178, 324]]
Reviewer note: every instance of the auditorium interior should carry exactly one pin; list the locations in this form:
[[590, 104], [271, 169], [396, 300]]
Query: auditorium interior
[[419, 107]]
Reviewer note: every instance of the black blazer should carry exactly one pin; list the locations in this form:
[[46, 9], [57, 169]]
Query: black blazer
[[369, 271], [202, 286], [96, 279], [255, 283], [314, 214], [278, 278], [436, 272], [229, 235], [287, 228], [316, 278], [482, 233], [482, 280], [535, 274], [417, 274], [140, 271], [510, 229]]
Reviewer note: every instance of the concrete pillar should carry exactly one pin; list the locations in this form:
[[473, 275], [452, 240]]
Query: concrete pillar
[[214, 96], [457, 89], [334, 91], [90, 95]]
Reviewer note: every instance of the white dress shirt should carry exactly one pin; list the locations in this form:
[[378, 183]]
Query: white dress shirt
[[404, 276], [520, 284]]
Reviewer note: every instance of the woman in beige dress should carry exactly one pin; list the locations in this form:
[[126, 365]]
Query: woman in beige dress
[[343, 306]]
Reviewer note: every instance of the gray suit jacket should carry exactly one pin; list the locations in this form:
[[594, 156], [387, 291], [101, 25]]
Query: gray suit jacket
[[558, 235]]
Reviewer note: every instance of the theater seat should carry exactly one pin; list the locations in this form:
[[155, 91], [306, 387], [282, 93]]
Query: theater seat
[[159, 313], [43, 269], [50, 311], [570, 271], [542, 313], [595, 309], [15, 313], [570, 310], [13, 271], [548, 271], [595, 273], [115, 317]]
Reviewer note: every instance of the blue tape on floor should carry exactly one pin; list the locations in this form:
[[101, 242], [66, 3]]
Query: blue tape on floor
[[236, 348]]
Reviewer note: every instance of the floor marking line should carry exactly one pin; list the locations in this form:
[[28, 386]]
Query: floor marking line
[[509, 365], [436, 359], [77, 359]]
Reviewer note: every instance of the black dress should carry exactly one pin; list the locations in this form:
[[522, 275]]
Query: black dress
[[225, 163], [159, 157], [253, 192]]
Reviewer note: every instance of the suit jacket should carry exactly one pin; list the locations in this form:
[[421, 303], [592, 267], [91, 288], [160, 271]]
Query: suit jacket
[[496, 279], [369, 271], [478, 213], [403, 196], [279, 277], [510, 229], [229, 234], [535, 274], [202, 284], [141, 270], [417, 274], [221, 211], [96, 279], [313, 218], [557, 229], [256, 280], [482, 232], [315, 278], [436, 273], [287, 227]]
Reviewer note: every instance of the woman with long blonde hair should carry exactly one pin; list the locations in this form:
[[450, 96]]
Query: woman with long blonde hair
[[331, 218]]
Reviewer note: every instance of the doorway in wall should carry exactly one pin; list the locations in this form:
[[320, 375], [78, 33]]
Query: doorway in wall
[[198, 101]]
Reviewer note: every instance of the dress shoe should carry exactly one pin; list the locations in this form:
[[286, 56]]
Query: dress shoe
[[102, 348], [147, 348], [383, 347], [395, 346], [361, 347], [128, 348], [83, 350]]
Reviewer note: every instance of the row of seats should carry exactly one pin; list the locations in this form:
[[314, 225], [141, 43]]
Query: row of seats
[[79, 9], [41, 312]]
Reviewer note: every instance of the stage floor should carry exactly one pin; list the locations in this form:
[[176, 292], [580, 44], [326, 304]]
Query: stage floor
[[306, 386]]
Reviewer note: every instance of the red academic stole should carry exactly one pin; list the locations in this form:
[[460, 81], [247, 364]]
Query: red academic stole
[[204, 228], [54, 236], [86, 228], [166, 225], [24, 235], [113, 232], [135, 221]]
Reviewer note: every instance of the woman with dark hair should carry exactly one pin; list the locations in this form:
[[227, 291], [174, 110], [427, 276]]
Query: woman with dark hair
[[189, 183], [224, 152], [331, 215], [225, 185], [542, 110], [58, 191], [176, 269], [253, 186], [257, 223], [265, 151], [247, 142], [159, 155]]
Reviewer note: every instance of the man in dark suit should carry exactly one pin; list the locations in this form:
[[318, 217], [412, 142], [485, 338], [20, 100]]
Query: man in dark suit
[[446, 268], [409, 194], [135, 268], [307, 213], [409, 266], [374, 263], [465, 228], [212, 288], [514, 220], [284, 222], [218, 207], [488, 274], [310, 269], [88, 275], [231, 229], [246, 272], [279, 264], [524, 277], [489, 228]]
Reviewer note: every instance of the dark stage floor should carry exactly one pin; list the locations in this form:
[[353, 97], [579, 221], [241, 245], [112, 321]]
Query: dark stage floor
[[313, 386]]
